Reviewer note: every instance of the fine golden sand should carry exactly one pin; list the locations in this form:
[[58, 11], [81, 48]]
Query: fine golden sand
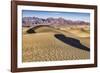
[[44, 46]]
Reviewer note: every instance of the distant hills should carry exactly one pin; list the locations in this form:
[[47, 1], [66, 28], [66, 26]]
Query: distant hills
[[33, 21]]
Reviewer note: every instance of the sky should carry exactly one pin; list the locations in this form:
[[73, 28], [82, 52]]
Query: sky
[[66, 15]]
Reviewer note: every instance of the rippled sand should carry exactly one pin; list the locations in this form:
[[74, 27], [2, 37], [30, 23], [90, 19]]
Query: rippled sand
[[45, 46]]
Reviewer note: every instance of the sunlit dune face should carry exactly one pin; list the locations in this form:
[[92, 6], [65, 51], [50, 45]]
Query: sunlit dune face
[[43, 45]]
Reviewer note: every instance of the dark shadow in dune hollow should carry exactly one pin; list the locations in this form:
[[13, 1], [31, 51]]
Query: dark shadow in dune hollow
[[30, 31], [71, 41]]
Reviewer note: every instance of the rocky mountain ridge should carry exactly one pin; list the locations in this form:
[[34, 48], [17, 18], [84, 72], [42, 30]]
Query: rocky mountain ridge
[[33, 21]]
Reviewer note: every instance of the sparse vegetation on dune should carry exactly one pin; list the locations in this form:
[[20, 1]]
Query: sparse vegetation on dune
[[44, 46]]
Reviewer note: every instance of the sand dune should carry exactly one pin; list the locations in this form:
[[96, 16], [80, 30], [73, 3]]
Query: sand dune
[[78, 31], [50, 46]]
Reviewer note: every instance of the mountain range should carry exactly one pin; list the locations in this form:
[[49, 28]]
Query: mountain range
[[33, 21]]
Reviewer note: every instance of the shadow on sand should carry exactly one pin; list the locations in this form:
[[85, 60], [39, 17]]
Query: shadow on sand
[[71, 41]]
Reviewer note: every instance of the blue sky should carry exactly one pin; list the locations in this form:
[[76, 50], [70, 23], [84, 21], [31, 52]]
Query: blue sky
[[66, 15]]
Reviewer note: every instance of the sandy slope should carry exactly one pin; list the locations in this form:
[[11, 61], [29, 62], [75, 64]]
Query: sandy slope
[[45, 47]]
